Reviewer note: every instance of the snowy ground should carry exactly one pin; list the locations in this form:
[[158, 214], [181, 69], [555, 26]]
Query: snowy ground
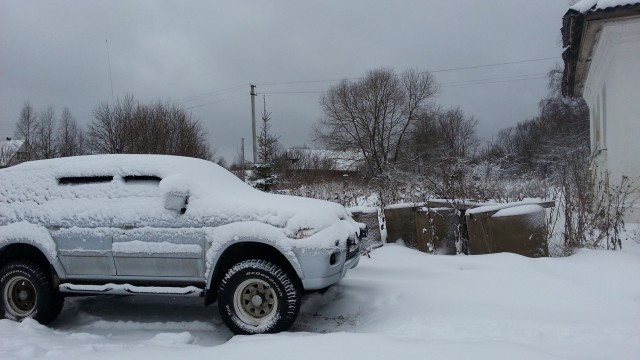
[[400, 304]]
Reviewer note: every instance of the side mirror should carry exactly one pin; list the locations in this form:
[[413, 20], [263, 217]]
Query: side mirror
[[176, 192], [176, 201]]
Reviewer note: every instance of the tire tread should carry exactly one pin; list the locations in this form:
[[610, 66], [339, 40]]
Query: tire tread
[[50, 301], [292, 294]]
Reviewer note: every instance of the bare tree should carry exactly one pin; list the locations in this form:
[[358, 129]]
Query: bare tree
[[44, 131], [107, 132], [69, 137], [6, 154], [221, 161], [157, 128], [373, 115], [456, 133], [83, 146], [25, 127], [541, 145], [441, 143], [303, 158], [443, 133]]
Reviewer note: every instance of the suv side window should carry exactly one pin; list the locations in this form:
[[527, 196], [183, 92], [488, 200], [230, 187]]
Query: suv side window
[[80, 180], [142, 179], [138, 186]]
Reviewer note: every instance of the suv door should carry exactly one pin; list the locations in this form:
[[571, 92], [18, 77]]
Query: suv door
[[83, 239], [159, 242], [84, 251], [159, 252]]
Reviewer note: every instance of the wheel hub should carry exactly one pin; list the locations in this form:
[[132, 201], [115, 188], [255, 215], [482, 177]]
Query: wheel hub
[[20, 297], [23, 295], [255, 300]]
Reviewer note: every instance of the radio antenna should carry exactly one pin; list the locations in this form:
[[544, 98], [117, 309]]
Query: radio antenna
[[110, 77]]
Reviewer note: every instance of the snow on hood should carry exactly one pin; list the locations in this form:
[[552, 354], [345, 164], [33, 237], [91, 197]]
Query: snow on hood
[[216, 197]]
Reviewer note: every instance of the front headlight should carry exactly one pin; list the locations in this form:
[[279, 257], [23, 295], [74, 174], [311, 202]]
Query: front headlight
[[353, 246], [303, 233]]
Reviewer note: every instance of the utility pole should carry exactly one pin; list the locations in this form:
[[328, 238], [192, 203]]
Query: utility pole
[[253, 123], [242, 161]]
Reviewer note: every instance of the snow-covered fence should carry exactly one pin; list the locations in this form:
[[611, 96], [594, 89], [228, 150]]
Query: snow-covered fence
[[369, 216], [446, 228], [432, 226], [518, 228], [438, 229]]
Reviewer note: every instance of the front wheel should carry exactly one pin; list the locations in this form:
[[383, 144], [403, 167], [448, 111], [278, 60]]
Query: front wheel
[[257, 296], [27, 291]]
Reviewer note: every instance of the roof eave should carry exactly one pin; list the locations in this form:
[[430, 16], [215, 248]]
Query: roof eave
[[572, 25], [579, 35]]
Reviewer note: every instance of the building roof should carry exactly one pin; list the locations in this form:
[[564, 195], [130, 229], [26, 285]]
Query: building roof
[[580, 26], [7, 149], [585, 6]]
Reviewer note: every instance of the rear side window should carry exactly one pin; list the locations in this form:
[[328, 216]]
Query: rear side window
[[80, 180], [141, 179], [134, 178]]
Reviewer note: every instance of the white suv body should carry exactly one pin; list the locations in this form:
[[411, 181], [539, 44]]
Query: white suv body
[[156, 224]]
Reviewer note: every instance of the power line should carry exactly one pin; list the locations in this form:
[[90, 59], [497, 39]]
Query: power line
[[237, 88], [492, 82], [511, 77], [431, 71], [212, 93], [307, 81], [291, 92], [496, 64], [219, 101]]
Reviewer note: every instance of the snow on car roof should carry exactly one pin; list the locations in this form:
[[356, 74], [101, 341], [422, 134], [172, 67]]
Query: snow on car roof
[[127, 164], [179, 171], [215, 195]]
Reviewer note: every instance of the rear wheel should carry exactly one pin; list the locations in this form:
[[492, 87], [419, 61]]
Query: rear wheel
[[27, 291], [257, 296]]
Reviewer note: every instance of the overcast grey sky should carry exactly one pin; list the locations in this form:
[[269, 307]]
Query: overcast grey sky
[[204, 55]]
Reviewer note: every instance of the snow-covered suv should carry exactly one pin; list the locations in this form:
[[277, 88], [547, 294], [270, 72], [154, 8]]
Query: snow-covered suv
[[152, 224]]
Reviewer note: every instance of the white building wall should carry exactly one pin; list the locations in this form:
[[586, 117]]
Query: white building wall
[[612, 91]]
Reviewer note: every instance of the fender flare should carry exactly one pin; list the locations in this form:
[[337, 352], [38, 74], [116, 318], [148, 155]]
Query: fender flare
[[37, 236], [213, 256]]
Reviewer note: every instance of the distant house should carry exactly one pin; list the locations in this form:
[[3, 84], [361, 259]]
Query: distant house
[[602, 64], [314, 164], [12, 152]]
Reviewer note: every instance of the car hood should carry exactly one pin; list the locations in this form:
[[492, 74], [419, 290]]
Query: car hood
[[221, 198], [297, 216]]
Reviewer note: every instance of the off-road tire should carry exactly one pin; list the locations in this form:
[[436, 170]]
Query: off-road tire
[[27, 291], [257, 296]]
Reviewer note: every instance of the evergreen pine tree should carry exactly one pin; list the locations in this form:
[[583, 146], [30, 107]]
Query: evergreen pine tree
[[264, 177]]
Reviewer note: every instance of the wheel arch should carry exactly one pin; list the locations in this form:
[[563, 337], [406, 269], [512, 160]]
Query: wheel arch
[[245, 250], [25, 251]]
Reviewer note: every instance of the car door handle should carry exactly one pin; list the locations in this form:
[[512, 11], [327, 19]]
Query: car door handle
[[128, 227]]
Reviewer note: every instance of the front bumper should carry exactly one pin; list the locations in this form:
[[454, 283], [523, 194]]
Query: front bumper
[[319, 274]]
